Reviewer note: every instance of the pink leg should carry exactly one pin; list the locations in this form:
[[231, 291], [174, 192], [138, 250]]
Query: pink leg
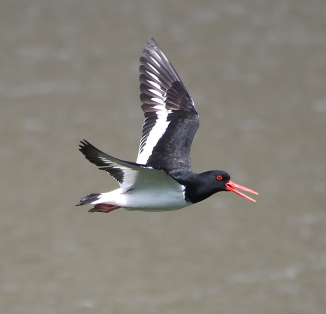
[[103, 208]]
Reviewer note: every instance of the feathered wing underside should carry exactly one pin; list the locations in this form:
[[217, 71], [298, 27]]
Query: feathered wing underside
[[128, 174], [124, 172], [171, 119]]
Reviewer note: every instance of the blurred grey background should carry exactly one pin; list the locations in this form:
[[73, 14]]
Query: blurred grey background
[[256, 71]]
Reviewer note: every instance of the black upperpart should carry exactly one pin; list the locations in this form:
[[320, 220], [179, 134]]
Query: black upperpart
[[202, 185]]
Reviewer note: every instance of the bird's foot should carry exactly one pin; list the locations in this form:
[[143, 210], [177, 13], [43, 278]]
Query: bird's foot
[[103, 208]]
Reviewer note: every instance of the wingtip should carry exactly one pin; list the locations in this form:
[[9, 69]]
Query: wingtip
[[84, 143], [151, 43]]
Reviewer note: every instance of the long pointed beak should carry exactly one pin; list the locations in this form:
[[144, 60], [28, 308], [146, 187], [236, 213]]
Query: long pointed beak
[[231, 186]]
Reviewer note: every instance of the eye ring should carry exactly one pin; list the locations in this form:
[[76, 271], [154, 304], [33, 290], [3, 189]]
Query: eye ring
[[219, 177]]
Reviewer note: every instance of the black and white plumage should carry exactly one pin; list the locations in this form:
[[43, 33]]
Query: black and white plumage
[[161, 178], [171, 119]]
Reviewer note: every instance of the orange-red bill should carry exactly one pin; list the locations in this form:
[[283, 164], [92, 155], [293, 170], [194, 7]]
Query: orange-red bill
[[231, 186]]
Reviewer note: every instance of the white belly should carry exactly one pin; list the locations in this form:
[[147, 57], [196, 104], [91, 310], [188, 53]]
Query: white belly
[[153, 199]]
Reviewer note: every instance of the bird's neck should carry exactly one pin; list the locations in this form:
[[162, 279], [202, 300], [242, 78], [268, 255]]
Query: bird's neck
[[195, 185]]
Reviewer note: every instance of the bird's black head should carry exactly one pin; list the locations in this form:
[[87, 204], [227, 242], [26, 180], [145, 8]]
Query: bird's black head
[[212, 181], [208, 183], [205, 184]]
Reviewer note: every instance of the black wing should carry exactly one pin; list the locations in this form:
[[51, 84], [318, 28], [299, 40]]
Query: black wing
[[171, 119]]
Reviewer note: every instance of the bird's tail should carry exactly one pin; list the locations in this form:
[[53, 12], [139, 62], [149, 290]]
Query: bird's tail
[[89, 199]]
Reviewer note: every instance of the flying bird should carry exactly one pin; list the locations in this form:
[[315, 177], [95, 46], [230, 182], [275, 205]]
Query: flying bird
[[161, 179]]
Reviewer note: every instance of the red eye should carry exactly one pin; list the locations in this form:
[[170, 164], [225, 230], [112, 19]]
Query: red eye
[[219, 177]]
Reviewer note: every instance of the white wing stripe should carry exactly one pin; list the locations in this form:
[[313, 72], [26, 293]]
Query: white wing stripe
[[155, 85], [156, 92], [153, 68], [155, 61], [153, 76], [154, 136], [159, 107], [159, 100]]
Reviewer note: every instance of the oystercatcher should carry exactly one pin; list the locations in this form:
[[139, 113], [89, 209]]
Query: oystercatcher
[[161, 179]]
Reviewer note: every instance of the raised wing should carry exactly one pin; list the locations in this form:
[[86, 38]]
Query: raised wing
[[171, 119]]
